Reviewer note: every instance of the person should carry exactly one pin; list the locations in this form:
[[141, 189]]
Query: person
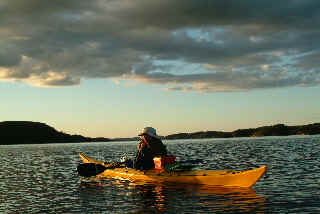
[[149, 147]]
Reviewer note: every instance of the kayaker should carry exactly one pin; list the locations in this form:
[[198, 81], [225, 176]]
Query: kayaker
[[149, 147]]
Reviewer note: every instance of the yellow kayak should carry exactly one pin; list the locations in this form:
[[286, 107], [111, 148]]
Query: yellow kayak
[[224, 178]]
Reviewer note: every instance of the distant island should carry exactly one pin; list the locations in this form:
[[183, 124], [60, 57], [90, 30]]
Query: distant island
[[275, 130], [26, 132]]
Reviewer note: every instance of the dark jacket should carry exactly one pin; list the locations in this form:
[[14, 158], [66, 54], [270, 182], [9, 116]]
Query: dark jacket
[[146, 152]]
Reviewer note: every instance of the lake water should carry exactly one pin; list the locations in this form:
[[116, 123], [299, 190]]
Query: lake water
[[43, 178]]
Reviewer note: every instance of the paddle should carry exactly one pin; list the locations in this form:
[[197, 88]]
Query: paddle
[[180, 166], [195, 161], [90, 169], [93, 169]]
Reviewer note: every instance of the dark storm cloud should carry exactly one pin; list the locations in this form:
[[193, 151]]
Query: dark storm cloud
[[8, 56], [238, 45]]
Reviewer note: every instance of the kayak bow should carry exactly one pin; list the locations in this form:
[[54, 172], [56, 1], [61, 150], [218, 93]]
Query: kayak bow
[[225, 178]]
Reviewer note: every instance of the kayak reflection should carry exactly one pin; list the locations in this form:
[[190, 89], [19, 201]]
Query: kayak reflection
[[150, 197]]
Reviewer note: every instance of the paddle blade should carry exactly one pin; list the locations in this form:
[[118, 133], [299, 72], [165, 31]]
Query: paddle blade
[[90, 169]]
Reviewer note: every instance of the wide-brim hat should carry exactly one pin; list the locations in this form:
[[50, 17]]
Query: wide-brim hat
[[149, 131]]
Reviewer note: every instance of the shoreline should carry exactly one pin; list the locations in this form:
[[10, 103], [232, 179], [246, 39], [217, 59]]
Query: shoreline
[[26, 132]]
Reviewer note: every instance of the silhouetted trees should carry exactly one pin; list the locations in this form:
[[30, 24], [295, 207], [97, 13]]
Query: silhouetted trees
[[25, 132], [275, 130]]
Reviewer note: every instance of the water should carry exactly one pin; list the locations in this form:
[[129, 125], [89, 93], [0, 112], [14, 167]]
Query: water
[[43, 178]]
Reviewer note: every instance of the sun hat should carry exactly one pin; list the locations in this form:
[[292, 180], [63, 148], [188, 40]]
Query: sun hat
[[149, 131]]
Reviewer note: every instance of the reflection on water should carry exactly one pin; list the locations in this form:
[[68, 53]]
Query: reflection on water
[[43, 178], [172, 198]]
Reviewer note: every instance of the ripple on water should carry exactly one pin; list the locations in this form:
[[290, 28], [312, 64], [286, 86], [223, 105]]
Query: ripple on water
[[43, 179]]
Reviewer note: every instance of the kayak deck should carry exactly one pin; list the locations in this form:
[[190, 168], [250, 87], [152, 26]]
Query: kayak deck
[[225, 178]]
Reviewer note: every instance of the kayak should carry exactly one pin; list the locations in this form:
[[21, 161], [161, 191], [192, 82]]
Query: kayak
[[222, 178]]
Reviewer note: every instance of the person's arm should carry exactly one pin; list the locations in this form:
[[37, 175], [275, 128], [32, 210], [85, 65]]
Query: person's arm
[[144, 159], [137, 162]]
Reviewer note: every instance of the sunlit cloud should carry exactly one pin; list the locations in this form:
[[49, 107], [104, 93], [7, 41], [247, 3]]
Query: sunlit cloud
[[52, 79]]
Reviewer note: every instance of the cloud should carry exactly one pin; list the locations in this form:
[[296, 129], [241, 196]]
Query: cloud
[[189, 45]]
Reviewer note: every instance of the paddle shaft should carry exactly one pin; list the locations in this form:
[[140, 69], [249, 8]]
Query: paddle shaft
[[93, 169]]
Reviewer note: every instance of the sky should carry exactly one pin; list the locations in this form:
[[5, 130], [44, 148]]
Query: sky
[[109, 68]]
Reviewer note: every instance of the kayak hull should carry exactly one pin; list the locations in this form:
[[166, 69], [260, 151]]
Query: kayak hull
[[225, 178]]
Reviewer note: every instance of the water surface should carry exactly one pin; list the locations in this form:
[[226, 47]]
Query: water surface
[[43, 178]]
